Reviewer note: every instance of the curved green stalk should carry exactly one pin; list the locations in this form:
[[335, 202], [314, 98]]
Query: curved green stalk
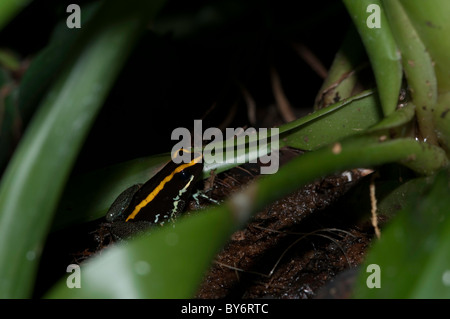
[[399, 117], [442, 121], [381, 49], [418, 68], [431, 20], [360, 151], [343, 73]]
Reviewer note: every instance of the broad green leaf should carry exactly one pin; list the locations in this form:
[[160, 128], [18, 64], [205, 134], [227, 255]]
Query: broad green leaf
[[166, 263], [381, 49], [34, 179], [414, 250]]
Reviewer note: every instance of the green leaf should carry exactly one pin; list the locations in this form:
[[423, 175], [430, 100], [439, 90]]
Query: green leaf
[[33, 182], [392, 193], [332, 123], [431, 21], [88, 197], [442, 121], [167, 263], [400, 117], [343, 73], [414, 250], [342, 119], [418, 68], [358, 151], [401, 196], [9, 8], [381, 49]]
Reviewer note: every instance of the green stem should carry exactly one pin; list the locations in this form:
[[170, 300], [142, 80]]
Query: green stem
[[381, 49], [418, 68], [361, 151]]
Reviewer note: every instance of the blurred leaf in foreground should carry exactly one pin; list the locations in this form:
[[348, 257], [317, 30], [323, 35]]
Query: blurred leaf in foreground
[[36, 175], [414, 251]]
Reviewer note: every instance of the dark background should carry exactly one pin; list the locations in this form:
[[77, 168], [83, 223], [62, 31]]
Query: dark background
[[196, 55]]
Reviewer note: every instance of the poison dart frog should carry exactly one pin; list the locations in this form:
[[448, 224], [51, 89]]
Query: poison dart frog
[[158, 201]]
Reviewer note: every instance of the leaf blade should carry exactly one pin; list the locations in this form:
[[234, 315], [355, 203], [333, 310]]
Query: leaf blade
[[34, 179], [413, 252], [381, 49]]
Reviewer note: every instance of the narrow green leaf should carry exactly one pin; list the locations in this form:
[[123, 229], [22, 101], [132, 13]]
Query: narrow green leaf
[[343, 73], [442, 121], [414, 250], [400, 117], [418, 67], [9, 8], [342, 119], [381, 49], [34, 180], [431, 21], [345, 118]]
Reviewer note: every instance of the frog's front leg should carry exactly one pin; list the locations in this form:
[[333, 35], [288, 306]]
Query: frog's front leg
[[115, 212], [202, 193], [122, 230]]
